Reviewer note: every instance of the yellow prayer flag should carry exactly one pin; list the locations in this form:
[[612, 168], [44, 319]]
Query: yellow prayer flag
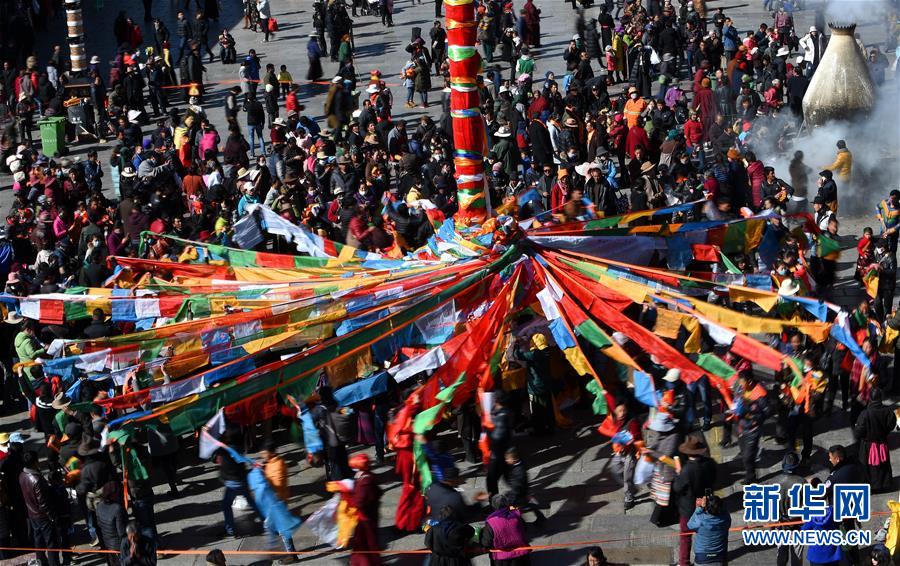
[[765, 299], [668, 323], [692, 344], [578, 361]]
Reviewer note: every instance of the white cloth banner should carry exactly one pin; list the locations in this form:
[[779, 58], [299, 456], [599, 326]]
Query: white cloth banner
[[432, 359]]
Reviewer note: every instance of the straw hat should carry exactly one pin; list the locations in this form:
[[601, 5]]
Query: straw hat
[[128, 172], [60, 402], [585, 168], [242, 172], [95, 60], [788, 288], [12, 317], [647, 167], [503, 132]]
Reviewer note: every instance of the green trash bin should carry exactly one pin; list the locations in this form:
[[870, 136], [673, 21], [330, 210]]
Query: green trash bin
[[53, 135]]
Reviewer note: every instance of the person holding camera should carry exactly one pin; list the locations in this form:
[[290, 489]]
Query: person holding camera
[[710, 522]]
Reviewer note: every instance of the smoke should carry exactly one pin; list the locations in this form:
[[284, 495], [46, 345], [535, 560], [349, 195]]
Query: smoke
[[855, 11], [874, 142]]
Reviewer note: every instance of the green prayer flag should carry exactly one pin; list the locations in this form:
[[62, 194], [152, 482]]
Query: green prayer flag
[[590, 331], [715, 365], [826, 245], [729, 266], [599, 405]]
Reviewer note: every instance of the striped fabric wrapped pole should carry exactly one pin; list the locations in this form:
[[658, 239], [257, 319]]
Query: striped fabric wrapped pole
[[468, 125]]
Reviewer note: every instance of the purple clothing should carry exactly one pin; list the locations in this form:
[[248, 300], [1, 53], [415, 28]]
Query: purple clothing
[[508, 531]]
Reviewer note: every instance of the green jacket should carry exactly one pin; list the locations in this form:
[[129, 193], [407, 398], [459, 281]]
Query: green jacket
[[538, 370], [28, 349], [507, 153], [344, 52]]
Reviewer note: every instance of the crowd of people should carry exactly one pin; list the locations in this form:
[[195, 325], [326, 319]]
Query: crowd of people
[[654, 104]]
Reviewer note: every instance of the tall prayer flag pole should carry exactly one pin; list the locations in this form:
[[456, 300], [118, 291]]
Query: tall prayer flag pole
[[468, 126]]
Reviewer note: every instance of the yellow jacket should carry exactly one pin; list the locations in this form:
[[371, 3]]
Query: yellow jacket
[[276, 472], [843, 164]]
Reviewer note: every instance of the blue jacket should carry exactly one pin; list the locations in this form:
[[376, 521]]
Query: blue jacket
[[822, 554], [730, 38], [711, 536]]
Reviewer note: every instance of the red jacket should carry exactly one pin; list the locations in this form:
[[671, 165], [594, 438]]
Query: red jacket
[[693, 132], [637, 137], [291, 104]]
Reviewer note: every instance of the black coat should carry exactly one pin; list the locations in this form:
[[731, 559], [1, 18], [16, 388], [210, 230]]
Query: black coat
[[111, 519], [439, 495], [697, 475], [668, 41], [592, 41], [95, 472], [256, 116], [447, 542], [517, 479]]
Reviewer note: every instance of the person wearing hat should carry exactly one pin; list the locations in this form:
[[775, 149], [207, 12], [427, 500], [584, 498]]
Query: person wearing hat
[[695, 479], [634, 108], [537, 364], [822, 215], [24, 111], [813, 45], [827, 190], [366, 497], [506, 152]]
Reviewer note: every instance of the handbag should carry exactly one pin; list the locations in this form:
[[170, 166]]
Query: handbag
[[273, 25], [643, 471], [664, 516]]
